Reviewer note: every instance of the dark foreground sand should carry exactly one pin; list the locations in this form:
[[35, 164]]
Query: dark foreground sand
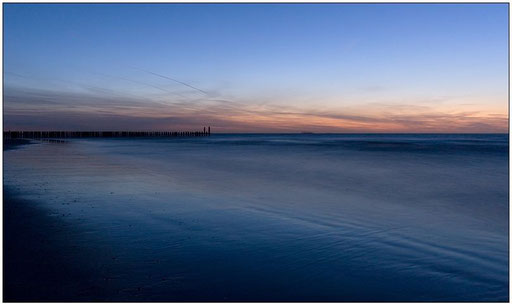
[[42, 256]]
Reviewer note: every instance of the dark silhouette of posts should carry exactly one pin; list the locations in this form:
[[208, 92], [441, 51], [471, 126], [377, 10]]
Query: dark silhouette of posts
[[73, 134]]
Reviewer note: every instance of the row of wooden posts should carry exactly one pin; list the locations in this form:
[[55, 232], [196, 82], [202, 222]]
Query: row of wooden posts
[[75, 134]]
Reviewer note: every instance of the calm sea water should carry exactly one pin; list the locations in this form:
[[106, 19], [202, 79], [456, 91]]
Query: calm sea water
[[282, 217]]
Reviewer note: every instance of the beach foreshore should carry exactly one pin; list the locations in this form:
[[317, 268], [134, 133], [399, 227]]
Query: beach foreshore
[[44, 257], [234, 218], [39, 251]]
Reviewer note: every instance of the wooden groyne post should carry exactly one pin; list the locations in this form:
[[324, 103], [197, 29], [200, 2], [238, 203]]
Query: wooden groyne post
[[79, 134]]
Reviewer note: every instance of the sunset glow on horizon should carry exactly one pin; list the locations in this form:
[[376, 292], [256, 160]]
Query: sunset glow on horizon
[[418, 68]]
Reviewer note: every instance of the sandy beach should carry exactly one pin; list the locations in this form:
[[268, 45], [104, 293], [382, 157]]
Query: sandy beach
[[158, 220]]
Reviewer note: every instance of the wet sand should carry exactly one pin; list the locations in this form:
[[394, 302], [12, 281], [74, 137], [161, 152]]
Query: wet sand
[[31, 253], [158, 220], [39, 250]]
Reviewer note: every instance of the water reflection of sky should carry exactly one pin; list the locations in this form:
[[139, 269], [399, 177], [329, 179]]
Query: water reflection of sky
[[223, 218]]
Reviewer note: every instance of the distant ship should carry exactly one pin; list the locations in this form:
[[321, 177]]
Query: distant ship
[[307, 133]]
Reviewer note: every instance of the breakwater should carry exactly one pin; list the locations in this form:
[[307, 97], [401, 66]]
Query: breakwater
[[78, 134]]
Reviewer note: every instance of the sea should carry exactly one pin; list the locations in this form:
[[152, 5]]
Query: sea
[[262, 217]]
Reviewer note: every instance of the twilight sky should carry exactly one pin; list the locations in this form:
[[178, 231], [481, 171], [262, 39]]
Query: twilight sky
[[257, 67]]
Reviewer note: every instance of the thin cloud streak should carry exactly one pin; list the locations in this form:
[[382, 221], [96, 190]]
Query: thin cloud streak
[[175, 80], [143, 83]]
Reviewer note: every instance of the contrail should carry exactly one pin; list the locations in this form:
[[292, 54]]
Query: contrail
[[185, 84], [16, 74], [143, 83]]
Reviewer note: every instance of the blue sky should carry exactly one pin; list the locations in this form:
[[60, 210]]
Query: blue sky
[[257, 67]]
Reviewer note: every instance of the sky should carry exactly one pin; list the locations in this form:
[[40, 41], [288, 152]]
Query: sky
[[257, 67]]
